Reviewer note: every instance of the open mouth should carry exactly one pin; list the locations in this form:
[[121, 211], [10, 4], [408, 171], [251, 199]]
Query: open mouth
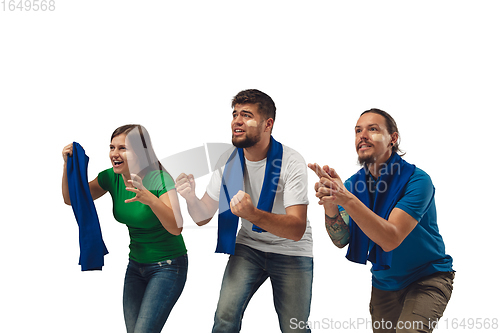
[[116, 163], [238, 131], [364, 146]]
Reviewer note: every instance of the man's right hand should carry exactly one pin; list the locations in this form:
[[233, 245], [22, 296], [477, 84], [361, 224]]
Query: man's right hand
[[185, 186]]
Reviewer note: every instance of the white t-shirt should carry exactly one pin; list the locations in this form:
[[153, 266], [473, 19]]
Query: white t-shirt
[[291, 190]]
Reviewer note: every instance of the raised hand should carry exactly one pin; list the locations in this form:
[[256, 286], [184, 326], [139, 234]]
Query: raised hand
[[67, 151], [141, 193], [242, 206], [185, 185], [330, 189]]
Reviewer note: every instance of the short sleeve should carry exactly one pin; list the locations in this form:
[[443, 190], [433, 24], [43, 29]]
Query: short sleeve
[[104, 179], [159, 182], [295, 180], [418, 195], [213, 187]]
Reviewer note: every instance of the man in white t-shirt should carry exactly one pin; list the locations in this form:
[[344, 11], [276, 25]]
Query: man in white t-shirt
[[275, 237]]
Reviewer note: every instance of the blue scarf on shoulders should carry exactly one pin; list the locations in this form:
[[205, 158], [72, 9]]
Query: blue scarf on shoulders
[[389, 189], [232, 182], [92, 247]]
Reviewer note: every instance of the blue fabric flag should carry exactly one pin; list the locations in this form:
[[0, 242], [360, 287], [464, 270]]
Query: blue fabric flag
[[232, 182], [92, 247], [390, 188]]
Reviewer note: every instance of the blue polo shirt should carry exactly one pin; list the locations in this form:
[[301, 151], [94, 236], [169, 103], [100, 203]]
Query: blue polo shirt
[[422, 252]]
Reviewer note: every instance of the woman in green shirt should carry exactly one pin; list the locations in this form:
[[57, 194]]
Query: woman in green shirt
[[144, 198]]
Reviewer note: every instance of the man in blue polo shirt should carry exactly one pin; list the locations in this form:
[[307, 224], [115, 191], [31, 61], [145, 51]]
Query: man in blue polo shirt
[[386, 213]]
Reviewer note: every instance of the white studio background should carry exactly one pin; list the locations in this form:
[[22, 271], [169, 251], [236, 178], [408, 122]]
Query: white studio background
[[79, 71]]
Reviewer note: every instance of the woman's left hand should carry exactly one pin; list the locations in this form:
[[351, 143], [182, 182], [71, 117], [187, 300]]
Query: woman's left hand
[[141, 193]]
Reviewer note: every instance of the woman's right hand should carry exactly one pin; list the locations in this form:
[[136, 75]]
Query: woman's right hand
[[67, 151]]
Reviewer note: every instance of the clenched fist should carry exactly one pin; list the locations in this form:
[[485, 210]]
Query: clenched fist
[[242, 206], [67, 151], [185, 186]]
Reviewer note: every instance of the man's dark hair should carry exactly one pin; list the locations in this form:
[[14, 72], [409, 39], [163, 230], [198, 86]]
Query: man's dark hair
[[392, 127], [253, 96]]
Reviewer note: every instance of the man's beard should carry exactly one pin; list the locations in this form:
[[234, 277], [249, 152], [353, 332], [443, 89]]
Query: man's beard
[[366, 160], [248, 142]]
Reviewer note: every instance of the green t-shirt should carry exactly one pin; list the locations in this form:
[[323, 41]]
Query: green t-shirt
[[149, 241]]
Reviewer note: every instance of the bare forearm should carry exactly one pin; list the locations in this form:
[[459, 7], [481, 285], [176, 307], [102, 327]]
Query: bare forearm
[[198, 211], [171, 221], [388, 234], [337, 229], [65, 190], [281, 225], [379, 230]]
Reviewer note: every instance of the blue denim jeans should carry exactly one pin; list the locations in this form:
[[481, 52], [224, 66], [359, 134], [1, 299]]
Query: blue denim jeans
[[150, 292], [291, 278]]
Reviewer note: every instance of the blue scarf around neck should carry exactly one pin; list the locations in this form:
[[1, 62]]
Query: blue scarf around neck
[[92, 247], [232, 182], [390, 187]]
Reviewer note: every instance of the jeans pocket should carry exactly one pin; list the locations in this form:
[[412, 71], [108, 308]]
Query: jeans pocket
[[178, 265], [165, 263], [179, 261]]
